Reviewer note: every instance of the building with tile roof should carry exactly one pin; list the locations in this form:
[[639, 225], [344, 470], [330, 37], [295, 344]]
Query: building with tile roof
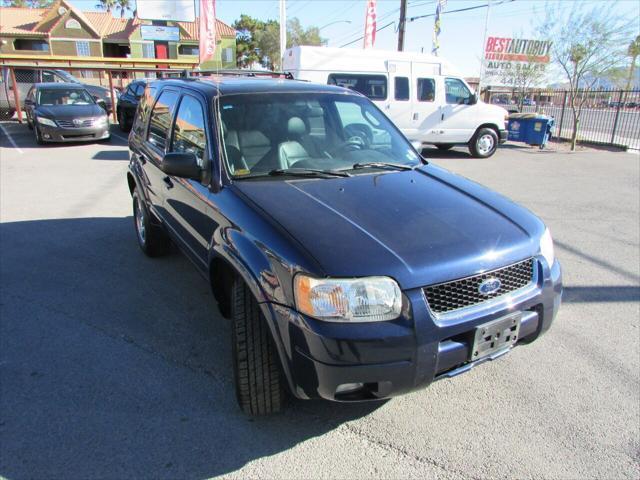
[[63, 30]]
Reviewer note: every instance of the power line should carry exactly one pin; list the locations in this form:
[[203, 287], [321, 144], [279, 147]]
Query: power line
[[459, 10], [360, 38]]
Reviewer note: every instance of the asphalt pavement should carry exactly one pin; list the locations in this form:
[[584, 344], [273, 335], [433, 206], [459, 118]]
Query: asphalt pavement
[[117, 366]]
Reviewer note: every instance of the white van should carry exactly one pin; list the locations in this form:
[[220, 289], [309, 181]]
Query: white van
[[422, 94]]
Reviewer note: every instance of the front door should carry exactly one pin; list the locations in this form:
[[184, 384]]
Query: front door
[[459, 115], [187, 200], [162, 52]]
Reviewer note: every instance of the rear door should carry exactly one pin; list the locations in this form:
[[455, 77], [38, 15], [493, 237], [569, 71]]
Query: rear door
[[186, 201], [398, 106], [154, 147], [427, 101]]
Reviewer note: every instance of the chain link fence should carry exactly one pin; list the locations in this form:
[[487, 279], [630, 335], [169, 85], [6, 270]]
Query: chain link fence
[[608, 117]]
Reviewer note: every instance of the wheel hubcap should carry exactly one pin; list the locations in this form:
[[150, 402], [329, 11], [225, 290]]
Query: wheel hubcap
[[140, 224], [485, 144]]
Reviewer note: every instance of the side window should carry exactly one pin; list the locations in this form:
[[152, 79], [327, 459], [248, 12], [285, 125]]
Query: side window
[[189, 134], [139, 90], [143, 111], [160, 121], [401, 88], [48, 76], [372, 86], [456, 91], [426, 90]]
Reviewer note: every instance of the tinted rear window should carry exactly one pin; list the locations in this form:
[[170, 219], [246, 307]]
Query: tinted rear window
[[161, 116], [372, 86]]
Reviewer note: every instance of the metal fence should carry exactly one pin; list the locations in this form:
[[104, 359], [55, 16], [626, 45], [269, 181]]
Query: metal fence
[[608, 117]]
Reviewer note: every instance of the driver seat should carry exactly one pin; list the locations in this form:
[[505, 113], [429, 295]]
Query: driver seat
[[292, 151]]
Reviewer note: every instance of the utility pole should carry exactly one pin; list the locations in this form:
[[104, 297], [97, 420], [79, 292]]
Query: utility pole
[[403, 21], [484, 43], [283, 31]]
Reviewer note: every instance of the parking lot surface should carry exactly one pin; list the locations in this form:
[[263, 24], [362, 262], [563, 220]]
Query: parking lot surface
[[114, 365]]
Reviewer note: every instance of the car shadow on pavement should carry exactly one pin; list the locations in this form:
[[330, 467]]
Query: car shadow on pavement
[[111, 155], [601, 293], [114, 365]]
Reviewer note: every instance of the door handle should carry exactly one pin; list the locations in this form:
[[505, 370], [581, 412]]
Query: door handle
[[167, 181], [442, 117]]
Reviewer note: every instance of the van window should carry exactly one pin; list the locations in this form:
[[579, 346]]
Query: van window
[[426, 90], [401, 88], [372, 86], [456, 91], [160, 121], [188, 133]]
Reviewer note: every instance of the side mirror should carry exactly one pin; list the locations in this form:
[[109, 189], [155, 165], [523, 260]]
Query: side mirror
[[181, 164], [102, 103], [473, 99]]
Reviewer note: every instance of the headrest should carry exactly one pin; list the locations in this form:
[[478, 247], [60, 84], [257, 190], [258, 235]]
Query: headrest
[[296, 126]]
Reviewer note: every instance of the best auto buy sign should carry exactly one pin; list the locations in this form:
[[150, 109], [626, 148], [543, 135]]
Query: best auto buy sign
[[503, 56]]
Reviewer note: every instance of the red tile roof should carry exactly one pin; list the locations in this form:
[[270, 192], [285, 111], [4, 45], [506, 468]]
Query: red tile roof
[[29, 21]]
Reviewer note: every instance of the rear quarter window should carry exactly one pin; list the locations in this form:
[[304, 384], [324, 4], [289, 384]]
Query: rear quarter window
[[143, 110], [160, 119]]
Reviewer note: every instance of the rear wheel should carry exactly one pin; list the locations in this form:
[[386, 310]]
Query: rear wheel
[[484, 143], [152, 240], [256, 365]]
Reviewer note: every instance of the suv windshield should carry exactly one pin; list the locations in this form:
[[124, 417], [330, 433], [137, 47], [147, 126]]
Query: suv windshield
[[64, 96], [265, 132]]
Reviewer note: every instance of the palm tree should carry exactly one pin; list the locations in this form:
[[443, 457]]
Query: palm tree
[[634, 53], [123, 5], [107, 5]]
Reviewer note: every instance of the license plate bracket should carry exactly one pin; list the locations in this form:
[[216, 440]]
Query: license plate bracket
[[497, 335]]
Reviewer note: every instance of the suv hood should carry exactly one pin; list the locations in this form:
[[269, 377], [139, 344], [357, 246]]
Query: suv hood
[[420, 227]]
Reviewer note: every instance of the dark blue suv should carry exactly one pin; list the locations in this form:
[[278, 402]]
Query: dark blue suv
[[351, 268]]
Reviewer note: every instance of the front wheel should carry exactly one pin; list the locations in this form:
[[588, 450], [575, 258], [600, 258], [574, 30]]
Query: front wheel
[[484, 143], [256, 367], [38, 135], [151, 239]]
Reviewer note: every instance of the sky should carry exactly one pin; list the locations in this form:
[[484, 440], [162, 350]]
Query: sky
[[461, 38]]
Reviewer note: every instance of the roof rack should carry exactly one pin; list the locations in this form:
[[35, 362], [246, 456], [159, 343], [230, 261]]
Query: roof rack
[[237, 73]]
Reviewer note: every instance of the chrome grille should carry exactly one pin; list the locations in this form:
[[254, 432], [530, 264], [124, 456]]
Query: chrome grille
[[449, 296], [69, 123]]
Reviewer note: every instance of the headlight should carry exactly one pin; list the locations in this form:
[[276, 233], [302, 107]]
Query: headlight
[[46, 121], [546, 247], [101, 120], [368, 299]]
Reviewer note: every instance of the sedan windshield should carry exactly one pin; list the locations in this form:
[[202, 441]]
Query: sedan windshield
[[64, 96], [304, 132]]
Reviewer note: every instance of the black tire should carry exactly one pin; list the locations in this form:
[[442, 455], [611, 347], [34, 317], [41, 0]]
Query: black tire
[[256, 366], [444, 147], [38, 135], [6, 114], [484, 143], [153, 241], [123, 122], [29, 124]]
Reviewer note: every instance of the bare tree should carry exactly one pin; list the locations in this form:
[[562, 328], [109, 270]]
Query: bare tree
[[587, 44], [522, 77]]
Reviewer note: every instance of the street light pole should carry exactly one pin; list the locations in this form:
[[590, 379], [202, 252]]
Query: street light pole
[[283, 30], [333, 23]]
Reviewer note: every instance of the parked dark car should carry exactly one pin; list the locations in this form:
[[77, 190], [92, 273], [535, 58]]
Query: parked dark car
[[127, 104], [65, 112], [27, 77], [351, 268]]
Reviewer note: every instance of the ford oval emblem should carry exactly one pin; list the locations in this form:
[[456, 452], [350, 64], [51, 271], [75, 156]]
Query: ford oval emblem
[[489, 286]]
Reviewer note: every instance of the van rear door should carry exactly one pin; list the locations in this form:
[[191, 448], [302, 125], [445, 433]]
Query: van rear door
[[398, 105], [427, 101]]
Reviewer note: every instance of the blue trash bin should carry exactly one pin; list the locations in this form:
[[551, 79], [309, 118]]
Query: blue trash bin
[[530, 128]]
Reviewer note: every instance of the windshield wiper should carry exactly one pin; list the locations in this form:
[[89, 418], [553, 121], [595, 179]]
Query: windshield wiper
[[308, 172], [395, 166]]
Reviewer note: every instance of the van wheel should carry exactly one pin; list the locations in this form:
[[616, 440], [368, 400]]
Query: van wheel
[[484, 143], [151, 239], [256, 368], [6, 114], [444, 146]]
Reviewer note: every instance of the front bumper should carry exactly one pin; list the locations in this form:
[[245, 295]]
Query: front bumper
[[59, 134], [392, 358], [504, 135]]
